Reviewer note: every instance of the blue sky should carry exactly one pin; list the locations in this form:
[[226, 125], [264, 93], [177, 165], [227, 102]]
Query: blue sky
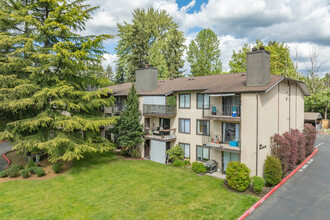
[[302, 25]]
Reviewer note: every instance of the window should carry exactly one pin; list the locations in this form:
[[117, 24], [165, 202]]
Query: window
[[184, 100], [203, 127], [186, 149], [184, 125], [164, 123], [230, 132], [200, 98], [203, 153]]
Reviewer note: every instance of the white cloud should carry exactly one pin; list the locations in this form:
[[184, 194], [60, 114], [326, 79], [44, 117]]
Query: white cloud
[[296, 22]]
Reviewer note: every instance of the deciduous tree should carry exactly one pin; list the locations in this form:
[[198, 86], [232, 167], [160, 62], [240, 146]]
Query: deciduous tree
[[204, 54]]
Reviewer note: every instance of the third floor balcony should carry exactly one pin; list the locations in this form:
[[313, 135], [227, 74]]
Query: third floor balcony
[[159, 110]]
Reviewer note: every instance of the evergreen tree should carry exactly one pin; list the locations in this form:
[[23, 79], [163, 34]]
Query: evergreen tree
[[204, 54], [128, 129], [280, 60], [153, 38], [109, 73], [45, 68], [119, 76]]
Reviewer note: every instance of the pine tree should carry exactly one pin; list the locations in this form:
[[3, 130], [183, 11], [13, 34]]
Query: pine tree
[[204, 54], [109, 73], [128, 129], [45, 69], [153, 38]]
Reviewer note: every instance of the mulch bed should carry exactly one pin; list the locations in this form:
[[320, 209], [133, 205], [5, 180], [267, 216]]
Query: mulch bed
[[18, 158], [250, 191]]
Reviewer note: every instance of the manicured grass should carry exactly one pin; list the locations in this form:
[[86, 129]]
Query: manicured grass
[[105, 187]]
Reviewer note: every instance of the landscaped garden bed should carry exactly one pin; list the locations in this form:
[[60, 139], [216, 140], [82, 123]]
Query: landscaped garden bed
[[20, 160]]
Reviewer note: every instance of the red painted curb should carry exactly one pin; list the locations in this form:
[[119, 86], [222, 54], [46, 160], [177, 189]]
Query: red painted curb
[[250, 210], [4, 156]]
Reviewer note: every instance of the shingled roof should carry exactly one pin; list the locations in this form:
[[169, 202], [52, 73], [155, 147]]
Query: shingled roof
[[224, 83]]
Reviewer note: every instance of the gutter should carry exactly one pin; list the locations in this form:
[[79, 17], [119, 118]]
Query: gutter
[[275, 84], [257, 132]]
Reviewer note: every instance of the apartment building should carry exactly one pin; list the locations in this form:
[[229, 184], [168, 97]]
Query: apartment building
[[224, 118]]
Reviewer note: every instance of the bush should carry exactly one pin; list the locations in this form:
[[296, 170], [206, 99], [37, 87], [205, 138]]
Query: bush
[[178, 163], [258, 184], [3, 174], [13, 170], [280, 148], [187, 163], [198, 167], [24, 173], [29, 164], [136, 153], [33, 170], [293, 149], [238, 176], [39, 171], [57, 167], [273, 170], [175, 153], [310, 137], [301, 144]]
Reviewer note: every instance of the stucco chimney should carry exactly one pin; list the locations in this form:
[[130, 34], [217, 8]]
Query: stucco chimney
[[146, 78], [257, 67]]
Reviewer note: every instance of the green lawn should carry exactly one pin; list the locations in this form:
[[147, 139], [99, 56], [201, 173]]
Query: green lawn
[[104, 187]]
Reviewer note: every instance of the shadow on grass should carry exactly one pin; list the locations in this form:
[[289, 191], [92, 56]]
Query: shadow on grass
[[92, 160]]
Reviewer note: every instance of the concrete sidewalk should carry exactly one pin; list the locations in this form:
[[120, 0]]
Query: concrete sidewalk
[[4, 147]]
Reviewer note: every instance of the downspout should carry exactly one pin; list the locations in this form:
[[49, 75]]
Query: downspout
[[289, 105], [257, 132], [296, 106], [203, 103], [278, 109]]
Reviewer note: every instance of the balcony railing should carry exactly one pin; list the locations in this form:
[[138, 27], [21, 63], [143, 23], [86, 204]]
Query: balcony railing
[[161, 135], [215, 142], [162, 110], [117, 108], [232, 111]]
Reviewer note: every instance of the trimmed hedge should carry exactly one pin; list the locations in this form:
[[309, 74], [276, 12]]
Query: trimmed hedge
[[198, 167], [238, 176], [310, 137], [273, 170], [258, 184]]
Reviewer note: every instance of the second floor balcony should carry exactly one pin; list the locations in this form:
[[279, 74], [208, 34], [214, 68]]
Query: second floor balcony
[[160, 134], [216, 142], [224, 112], [159, 110]]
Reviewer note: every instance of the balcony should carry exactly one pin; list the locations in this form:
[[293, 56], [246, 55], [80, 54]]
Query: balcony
[[215, 142], [167, 135], [117, 108], [230, 113], [159, 110]]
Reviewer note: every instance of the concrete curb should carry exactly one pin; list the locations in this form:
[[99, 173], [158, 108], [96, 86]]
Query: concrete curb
[[250, 210], [4, 156], [323, 133]]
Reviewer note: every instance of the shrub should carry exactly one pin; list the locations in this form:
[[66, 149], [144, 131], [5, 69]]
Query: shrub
[[178, 163], [175, 153], [293, 149], [187, 163], [57, 167], [136, 153], [280, 148], [3, 174], [238, 176], [24, 173], [258, 184], [301, 144], [29, 164], [198, 167], [273, 170], [12, 172], [310, 136], [33, 170], [39, 171]]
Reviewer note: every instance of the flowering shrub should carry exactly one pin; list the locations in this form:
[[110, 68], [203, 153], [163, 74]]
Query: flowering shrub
[[301, 144], [293, 149], [238, 176], [310, 136]]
